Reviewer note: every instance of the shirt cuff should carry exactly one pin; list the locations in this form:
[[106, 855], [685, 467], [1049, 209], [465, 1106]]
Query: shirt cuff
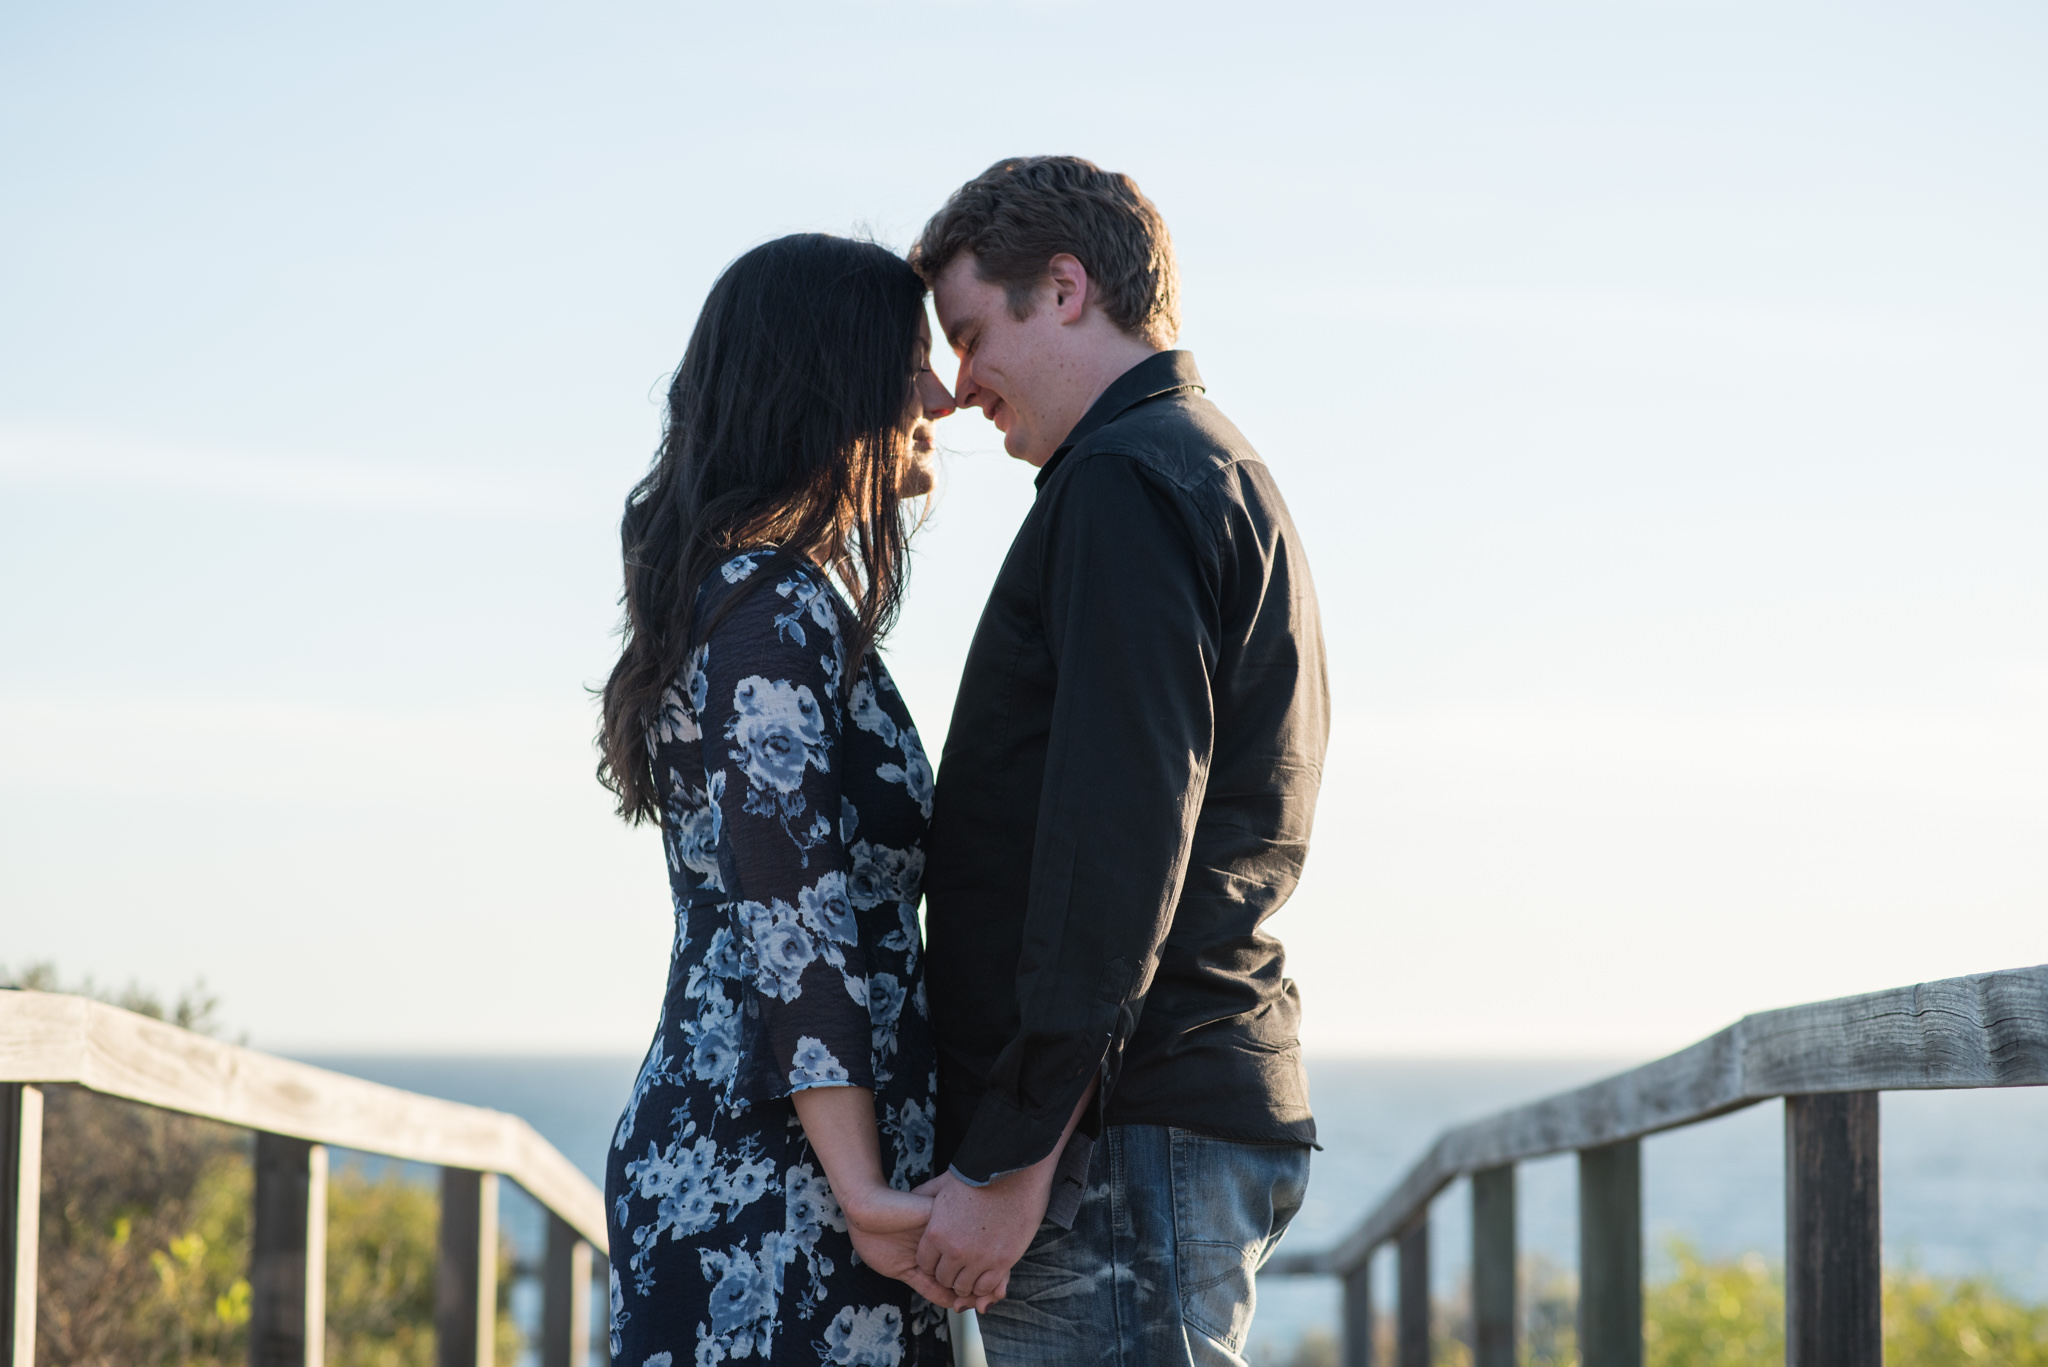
[[1069, 1180], [1001, 1140]]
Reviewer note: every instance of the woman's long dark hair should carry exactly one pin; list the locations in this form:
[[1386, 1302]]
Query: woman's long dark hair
[[788, 422]]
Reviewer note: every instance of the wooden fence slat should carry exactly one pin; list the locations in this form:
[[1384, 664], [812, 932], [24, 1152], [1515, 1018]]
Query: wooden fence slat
[[1493, 1267], [1358, 1317], [1411, 1325], [288, 1254], [1833, 1254], [21, 1190], [1986, 1030], [52, 1037], [1611, 1255], [565, 1298], [466, 1279]]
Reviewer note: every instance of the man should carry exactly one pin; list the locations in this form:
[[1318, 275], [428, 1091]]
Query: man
[[1124, 799]]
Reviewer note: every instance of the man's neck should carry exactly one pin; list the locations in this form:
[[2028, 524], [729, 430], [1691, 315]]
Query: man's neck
[[1102, 364]]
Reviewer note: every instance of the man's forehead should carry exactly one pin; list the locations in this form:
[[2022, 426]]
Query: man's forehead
[[961, 296]]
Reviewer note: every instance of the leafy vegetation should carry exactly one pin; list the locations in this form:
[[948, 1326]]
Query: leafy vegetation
[[145, 1234], [1731, 1313]]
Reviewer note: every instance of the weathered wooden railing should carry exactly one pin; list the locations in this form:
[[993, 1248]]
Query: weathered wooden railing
[[297, 1112], [1828, 1061]]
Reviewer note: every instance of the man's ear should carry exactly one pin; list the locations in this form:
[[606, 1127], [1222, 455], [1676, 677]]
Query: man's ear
[[1070, 286]]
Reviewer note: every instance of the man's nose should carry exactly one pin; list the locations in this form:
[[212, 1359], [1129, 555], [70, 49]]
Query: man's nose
[[966, 392]]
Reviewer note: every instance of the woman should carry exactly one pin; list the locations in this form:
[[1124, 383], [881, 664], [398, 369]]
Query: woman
[[784, 1110]]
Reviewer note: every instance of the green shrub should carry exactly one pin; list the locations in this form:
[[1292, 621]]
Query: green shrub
[[1731, 1313], [145, 1235]]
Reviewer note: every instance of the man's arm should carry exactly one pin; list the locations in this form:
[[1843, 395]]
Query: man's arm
[[1129, 595]]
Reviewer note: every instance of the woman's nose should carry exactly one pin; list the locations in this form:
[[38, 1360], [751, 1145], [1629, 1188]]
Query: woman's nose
[[934, 396]]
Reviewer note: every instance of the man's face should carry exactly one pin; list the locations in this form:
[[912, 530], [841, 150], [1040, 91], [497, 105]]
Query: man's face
[[1010, 368]]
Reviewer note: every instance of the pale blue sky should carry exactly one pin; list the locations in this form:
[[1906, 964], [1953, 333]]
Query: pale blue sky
[[1658, 387]]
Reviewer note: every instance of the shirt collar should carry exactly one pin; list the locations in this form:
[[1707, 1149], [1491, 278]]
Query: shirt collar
[[1166, 372]]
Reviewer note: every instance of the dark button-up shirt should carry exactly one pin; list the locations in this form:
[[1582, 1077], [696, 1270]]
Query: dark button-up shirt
[[1126, 794]]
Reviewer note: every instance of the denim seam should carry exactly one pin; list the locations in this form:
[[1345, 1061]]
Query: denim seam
[[1119, 1241]]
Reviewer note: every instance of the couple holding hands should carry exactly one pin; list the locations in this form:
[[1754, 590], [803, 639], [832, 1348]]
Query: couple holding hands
[[1072, 1099]]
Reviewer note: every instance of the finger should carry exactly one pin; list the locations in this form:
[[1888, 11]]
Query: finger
[[988, 1281], [948, 1270], [965, 1281], [928, 1255], [930, 1186], [926, 1287]]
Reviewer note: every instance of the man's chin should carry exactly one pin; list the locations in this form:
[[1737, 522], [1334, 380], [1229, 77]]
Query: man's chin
[[1018, 449]]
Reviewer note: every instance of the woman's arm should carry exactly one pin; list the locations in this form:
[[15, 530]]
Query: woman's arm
[[775, 760], [885, 1224]]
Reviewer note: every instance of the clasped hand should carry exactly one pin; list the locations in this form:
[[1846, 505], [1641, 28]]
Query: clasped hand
[[952, 1243]]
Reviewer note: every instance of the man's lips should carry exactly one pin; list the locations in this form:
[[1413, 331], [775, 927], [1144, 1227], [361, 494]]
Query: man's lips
[[997, 412]]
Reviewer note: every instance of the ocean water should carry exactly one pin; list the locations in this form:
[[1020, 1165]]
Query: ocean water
[[1965, 1173]]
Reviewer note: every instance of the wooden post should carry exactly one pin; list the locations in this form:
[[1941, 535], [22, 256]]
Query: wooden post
[[1611, 1255], [1493, 1267], [21, 1202], [565, 1297], [466, 1280], [1833, 1256], [1411, 1327], [1358, 1323], [288, 1254]]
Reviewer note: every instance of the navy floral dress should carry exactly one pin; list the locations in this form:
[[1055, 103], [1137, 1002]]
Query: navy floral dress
[[794, 825]]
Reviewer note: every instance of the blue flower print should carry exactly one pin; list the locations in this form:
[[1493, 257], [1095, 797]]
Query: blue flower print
[[809, 1207], [725, 957], [864, 1338], [809, 598], [619, 1314], [915, 773], [695, 822], [881, 874], [783, 949], [673, 722], [885, 1002], [653, 1069], [743, 1294], [740, 566], [697, 683], [714, 1039], [914, 1127], [828, 912], [904, 938], [814, 1065], [868, 714], [776, 733]]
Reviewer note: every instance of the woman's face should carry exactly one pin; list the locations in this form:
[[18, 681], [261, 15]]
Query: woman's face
[[929, 402]]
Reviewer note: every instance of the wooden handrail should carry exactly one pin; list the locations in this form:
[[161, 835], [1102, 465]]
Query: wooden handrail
[[1987, 1030], [48, 1037], [296, 1111]]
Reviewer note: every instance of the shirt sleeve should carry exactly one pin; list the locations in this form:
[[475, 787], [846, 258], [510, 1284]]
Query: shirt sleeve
[[1130, 601], [773, 762]]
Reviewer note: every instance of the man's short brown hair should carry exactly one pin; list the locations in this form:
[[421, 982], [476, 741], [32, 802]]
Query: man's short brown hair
[[1020, 213]]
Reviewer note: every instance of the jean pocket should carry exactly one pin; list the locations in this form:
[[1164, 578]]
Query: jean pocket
[[1230, 1202], [1217, 1288]]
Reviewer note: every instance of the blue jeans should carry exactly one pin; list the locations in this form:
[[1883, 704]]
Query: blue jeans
[[1159, 1265]]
